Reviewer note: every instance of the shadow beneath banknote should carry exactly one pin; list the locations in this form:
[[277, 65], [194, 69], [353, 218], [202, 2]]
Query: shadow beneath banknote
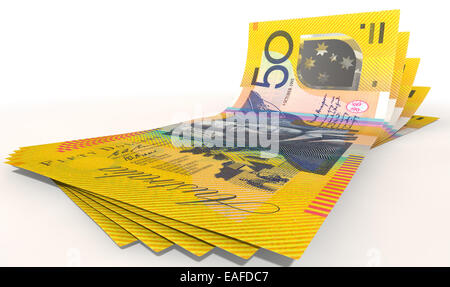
[[217, 251], [273, 257], [35, 176], [263, 254], [129, 244]]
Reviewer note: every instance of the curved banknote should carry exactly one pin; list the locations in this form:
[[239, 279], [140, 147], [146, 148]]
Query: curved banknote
[[204, 186], [114, 230], [399, 70], [407, 82], [119, 234], [292, 64], [399, 118], [267, 171], [150, 238], [411, 64], [415, 98], [415, 122]]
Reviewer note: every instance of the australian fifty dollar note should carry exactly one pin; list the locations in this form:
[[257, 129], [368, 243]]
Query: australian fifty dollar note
[[326, 121]]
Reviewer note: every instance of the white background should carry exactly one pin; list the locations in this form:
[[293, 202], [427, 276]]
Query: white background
[[78, 69]]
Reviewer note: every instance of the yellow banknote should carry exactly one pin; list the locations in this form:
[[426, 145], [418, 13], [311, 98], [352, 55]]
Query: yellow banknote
[[409, 73], [416, 122], [106, 223], [419, 96], [231, 245], [246, 207], [292, 63], [399, 69], [115, 231], [274, 194], [415, 99], [140, 227], [407, 82]]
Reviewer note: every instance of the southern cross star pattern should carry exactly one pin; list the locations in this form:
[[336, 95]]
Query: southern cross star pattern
[[327, 64]]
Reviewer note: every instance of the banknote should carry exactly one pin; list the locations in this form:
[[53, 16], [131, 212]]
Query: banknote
[[115, 231], [415, 98], [416, 126], [273, 192], [416, 122], [282, 80], [140, 227], [252, 182], [402, 47], [236, 195], [292, 63], [236, 247], [409, 73], [117, 236], [407, 82]]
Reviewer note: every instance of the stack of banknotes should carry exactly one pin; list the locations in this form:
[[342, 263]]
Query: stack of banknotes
[[317, 95]]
